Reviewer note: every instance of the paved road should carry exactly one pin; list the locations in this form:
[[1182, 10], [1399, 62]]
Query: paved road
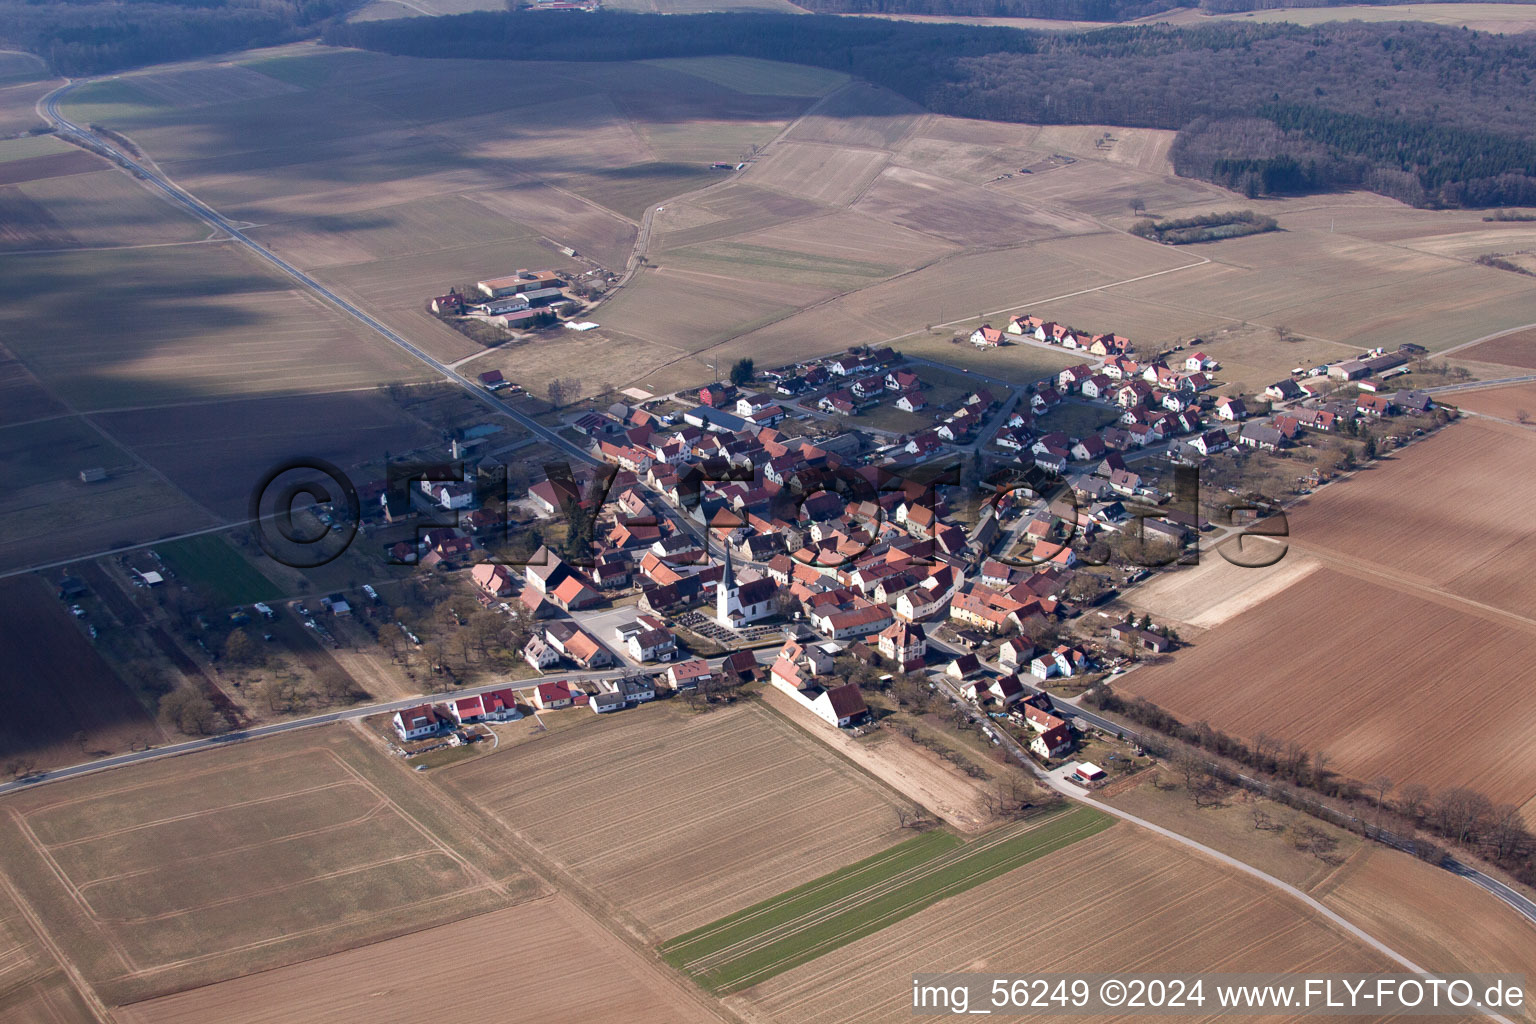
[[49, 107], [347, 714], [1473, 385]]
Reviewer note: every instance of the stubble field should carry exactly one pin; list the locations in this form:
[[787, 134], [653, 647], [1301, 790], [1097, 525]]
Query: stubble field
[[64, 704], [187, 871], [536, 962], [676, 820]]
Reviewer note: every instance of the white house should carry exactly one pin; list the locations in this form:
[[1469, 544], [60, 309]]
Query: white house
[[841, 706], [418, 722]]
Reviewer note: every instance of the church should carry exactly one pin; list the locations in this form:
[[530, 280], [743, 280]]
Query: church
[[737, 604]]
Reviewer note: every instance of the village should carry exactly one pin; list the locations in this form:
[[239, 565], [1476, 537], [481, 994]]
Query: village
[[762, 532]]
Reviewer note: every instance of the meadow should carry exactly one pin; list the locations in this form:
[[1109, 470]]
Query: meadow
[[210, 562]]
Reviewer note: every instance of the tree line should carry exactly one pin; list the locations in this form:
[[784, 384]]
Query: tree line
[[89, 37], [1068, 10], [1298, 777], [1433, 115]]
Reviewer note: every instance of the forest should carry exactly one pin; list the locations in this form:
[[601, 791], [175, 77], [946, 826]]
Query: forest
[[1431, 115], [1069, 10], [88, 37]]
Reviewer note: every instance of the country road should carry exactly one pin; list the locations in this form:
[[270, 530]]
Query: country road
[[48, 107], [1518, 901]]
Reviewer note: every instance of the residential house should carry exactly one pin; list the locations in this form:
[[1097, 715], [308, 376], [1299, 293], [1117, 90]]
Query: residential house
[[1286, 390], [1231, 409], [905, 644], [419, 722], [687, 675], [1261, 435], [1014, 654], [549, 696]]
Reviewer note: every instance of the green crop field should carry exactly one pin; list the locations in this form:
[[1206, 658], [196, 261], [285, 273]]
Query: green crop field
[[800, 925], [210, 561]]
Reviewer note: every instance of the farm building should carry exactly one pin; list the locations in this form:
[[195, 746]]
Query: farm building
[[513, 284]]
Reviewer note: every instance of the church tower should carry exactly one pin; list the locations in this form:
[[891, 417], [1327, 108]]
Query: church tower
[[727, 599]]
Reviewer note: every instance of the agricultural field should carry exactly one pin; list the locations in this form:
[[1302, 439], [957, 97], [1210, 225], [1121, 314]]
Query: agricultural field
[[807, 922], [188, 323], [1515, 402], [187, 871], [239, 442], [1123, 900], [859, 219], [1445, 512], [33, 987], [675, 819], [1438, 923], [64, 703], [1369, 690], [1515, 349], [50, 514], [398, 981]]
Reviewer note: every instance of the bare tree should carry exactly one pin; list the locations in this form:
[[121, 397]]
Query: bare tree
[[1461, 814], [1382, 785], [557, 393], [1411, 799]]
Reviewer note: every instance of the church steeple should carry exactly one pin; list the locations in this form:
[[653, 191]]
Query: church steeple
[[729, 579]]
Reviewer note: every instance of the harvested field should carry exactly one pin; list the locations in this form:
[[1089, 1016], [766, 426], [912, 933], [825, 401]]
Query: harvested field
[[691, 310], [187, 871], [53, 165], [237, 443], [596, 233], [1430, 514], [22, 398], [50, 514], [190, 322], [829, 175], [679, 819], [1208, 594], [963, 214], [56, 685], [811, 920], [1440, 922], [860, 114], [1515, 349], [733, 209], [108, 208], [18, 105], [1513, 402], [850, 236], [1368, 687], [599, 977], [1124, 900], [33, 988], [25, 224], [546, 355]]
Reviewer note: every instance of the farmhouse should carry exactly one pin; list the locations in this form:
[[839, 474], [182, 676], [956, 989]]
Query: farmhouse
[[1284, 390]]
